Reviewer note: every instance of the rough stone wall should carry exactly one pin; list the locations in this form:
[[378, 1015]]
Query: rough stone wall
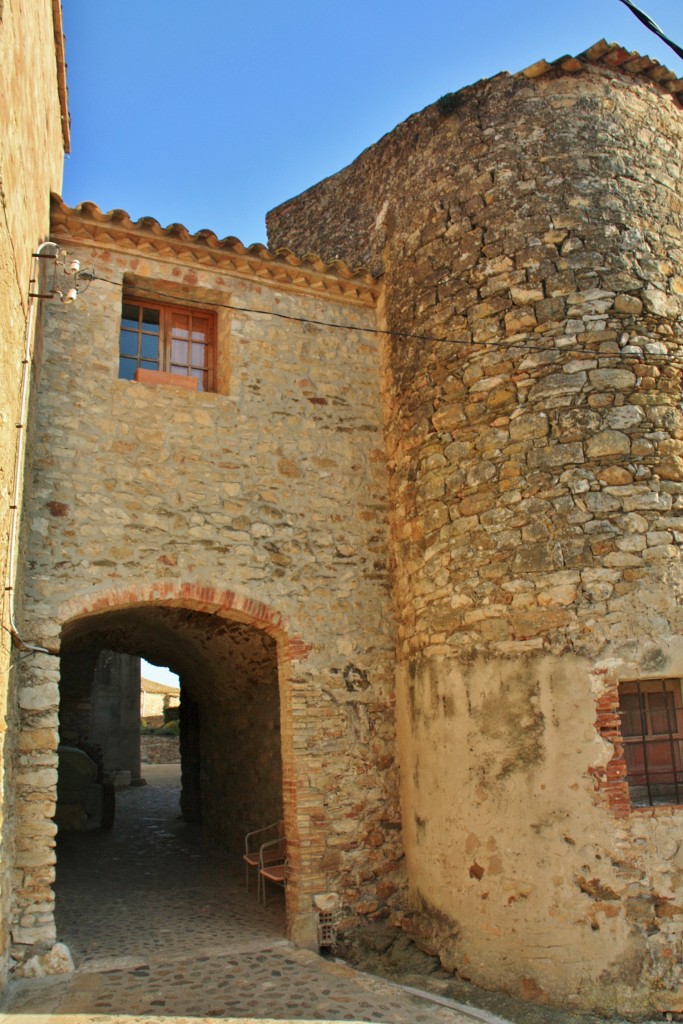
[[115, 712], [31, 153], [159, 750], [534, 225], [240, 740], [76, 673], [34, 789], [264, 502], [153, 704]]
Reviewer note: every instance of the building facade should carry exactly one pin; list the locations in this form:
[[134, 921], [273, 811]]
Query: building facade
[[235, 529], [409, 535]]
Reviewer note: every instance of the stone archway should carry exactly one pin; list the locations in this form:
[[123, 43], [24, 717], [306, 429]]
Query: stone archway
[[223, 645]]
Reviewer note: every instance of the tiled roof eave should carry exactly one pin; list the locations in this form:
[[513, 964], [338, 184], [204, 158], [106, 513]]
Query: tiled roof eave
[[614, 56], [151, 686], [115, 230]]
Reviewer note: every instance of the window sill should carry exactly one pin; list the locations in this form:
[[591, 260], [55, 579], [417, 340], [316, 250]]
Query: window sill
[[159, 377], [655, 809]]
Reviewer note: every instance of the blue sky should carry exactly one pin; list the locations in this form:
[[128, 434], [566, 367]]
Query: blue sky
[[213, 112], [159, 674]]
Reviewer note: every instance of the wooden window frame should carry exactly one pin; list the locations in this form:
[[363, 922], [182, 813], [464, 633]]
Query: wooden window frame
[[167, 365], [652, 737]]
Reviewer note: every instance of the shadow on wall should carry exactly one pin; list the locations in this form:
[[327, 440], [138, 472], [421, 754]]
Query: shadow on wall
[[229, 716]]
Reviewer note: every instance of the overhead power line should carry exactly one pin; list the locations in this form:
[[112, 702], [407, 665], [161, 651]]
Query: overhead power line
[[493, 344], [653, 27]]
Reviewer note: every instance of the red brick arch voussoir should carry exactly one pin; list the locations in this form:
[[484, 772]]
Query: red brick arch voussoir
[[198, 597]]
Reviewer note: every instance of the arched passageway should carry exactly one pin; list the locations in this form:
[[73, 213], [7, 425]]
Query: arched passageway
[[154, 888], [230, 724]]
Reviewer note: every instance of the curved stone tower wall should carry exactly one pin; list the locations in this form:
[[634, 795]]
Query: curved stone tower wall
[[534, 225]]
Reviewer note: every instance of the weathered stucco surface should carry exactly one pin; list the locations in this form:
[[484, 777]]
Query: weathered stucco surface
[[513, 862], [530, 226], [31, 154], [240, 536]]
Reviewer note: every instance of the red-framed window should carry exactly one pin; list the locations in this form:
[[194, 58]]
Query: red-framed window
[[171, 339]]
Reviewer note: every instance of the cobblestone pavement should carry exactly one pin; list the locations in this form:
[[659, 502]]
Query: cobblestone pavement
[[161, 929]]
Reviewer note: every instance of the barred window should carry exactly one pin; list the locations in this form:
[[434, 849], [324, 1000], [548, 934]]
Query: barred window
[[651, 712]]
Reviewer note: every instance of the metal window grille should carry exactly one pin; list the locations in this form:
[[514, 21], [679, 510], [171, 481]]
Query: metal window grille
[[651, 713]]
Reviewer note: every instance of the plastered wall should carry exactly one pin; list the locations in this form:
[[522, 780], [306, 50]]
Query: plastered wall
[[513, 860]]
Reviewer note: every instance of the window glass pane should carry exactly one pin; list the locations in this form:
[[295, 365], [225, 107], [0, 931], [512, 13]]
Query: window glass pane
[[198, 355], [150, 347], [629, 709], [201, 378], [130, 312], [150, 316], [179, 351], [662, 716], [660, 760], [635, 761], [156, 336], [127, 368], [650, 720], [128, 343]]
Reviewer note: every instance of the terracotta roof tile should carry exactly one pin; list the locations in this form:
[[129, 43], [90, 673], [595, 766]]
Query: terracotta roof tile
[[614, 56], [86, 222], [151, 686]]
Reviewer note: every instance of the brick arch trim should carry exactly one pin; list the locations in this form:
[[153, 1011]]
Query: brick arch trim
[[199, 597]]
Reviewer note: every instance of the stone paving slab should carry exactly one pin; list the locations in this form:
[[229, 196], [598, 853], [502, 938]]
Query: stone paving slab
[[163, 931], [155, 883], [125, 1019], [282, 983]]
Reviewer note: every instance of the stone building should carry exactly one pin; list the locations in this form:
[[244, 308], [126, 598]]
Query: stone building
[[34, 135], [408, 534], [157, 698], [234, 530], [532, 224]]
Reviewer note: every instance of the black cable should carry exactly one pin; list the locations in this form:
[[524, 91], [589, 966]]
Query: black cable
[[284, 316], [653, 27], [493, 345]]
